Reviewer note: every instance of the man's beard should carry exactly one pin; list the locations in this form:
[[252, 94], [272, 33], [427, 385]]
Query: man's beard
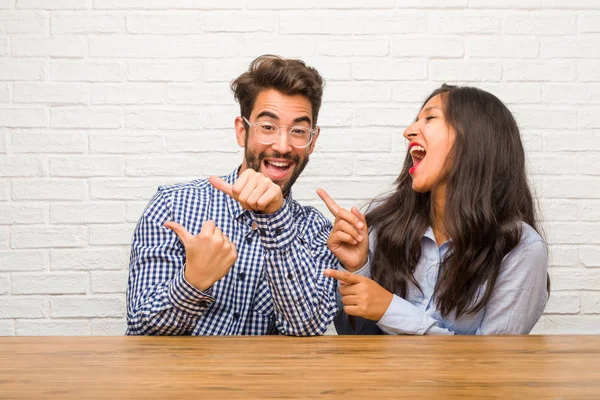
[[254, 161]]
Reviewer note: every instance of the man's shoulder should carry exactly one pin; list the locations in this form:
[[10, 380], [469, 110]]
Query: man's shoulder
[[309, 216], [196, 186]]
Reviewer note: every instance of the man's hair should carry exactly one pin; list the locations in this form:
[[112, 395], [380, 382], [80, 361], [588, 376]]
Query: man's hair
[[290, 77]]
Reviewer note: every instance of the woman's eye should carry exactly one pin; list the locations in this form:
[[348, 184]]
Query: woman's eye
[[430, 118]]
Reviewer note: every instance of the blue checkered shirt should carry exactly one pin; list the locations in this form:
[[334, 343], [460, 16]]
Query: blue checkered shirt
[[276, 285]]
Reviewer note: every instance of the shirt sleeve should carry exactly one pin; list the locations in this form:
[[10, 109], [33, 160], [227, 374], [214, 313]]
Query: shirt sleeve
[[304, 298], [159, 299]]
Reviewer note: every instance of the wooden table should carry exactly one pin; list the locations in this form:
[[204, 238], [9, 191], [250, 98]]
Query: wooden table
[[362, 367]]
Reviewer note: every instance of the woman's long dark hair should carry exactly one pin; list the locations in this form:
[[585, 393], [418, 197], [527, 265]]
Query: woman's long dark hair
[[487, 199]]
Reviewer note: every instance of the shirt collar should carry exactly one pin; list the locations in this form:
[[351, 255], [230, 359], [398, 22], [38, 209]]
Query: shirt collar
[[430, 235]]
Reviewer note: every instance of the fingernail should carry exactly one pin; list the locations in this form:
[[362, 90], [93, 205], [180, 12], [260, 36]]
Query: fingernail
[[360, 225], [355, 242], [360, 238]]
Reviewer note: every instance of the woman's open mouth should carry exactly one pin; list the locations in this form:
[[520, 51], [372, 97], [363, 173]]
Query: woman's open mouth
[[417, 152]]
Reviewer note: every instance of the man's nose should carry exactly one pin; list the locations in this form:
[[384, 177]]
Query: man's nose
[[282, 144]]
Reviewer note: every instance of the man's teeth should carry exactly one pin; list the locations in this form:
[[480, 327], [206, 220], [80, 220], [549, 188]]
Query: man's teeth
[[279, 164]]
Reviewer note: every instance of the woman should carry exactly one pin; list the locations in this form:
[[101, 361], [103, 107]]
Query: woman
[[455, 248]]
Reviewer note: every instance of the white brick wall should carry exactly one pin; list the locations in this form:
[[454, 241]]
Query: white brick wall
[[103, 100]]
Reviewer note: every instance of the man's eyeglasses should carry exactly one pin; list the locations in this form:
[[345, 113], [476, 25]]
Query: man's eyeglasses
[[268, 133]]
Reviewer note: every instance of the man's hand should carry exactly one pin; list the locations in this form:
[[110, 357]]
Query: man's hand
[[362, 297], [349, 238], [209, 255], [253, 191]]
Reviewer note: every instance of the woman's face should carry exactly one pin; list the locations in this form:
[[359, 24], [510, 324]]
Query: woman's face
[[431, 139]]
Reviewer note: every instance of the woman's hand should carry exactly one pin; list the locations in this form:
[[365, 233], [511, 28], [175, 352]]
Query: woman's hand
[[349, 238]]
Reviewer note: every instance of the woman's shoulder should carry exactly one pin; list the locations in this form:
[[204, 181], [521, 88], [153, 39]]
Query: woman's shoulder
[[529, 235]]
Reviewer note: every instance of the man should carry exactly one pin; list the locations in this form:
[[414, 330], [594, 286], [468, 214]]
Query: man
[[237, 255]]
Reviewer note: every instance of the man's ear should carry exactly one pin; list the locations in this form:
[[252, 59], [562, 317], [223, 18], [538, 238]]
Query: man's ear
[[314, 140], [240, 131]]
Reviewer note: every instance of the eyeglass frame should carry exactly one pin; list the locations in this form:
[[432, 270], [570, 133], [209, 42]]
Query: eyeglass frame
[[312, 132]]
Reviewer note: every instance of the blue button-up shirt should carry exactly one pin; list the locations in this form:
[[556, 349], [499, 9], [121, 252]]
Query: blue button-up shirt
[[517, 301], [275, 286]]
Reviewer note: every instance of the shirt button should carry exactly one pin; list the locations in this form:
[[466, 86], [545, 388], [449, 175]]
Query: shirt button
[[290, 276], [236, 315], [425, 301], [261, 232], [248, 240], [278, 231], [241, 276]]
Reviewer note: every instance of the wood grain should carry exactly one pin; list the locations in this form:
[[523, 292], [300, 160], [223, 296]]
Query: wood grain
[[286, 367]]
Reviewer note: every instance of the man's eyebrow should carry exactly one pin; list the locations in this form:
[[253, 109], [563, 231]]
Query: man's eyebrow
[[267, 114], [303, 119]]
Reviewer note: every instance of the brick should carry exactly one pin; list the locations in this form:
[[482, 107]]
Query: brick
[[161, 24], [412, 92], [588, 164], [464, 21], [7, 327], [24, 260], [113, 234], [7, 4], [570, 47], [238, 22], [575, 4], [589, 256], [588, 70], [454, 70], [109, 327], [386, 70], [357, 47], [134, 143], [162, 119], [589, 210], [24, 307], [20, 70], [320, 24], [547, 117], [540, 24], [573, 233], [134, 210], [589, 22], [185, 71], [378, 24], [52, 93], [552, 165], [168, 4], [69, 24], [216, 164], [49, 189], [563, 256], [383, 116], [501, 47], [75, 213], [590, 304], [4, 92], [69, 47], [428, 46], [44, 141], [124, 189], [88, 259], [281, 5], [23, 118], [161, 46], [335, 115], [553, 70], [572, 188], [558, 210], [53, 328], [3, 136], [353, 140], [4, 237], [358, 92], [4, 284], [567, 325], [299, 47], [20, 22], [224, 70], [31, 237], [578, 141], [571, 94], [22, 166], [109, 282], [86, 166], [431, 3], [80, 117], [22, 214], [379, 164], [55, 4], [351, 4], [203, 141], [515, 93], [588, 119], [164, 166], [87, 307], [70, 283], [574, 279], [212, 93], [72, 71], [327, 164]]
